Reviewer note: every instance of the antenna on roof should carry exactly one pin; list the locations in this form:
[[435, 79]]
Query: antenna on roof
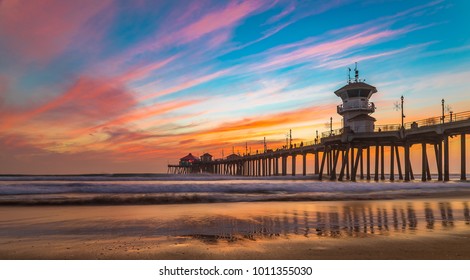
[[349, 75], [356, 74]]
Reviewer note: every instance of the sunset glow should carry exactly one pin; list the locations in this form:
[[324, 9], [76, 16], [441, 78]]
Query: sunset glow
[[130, 86]]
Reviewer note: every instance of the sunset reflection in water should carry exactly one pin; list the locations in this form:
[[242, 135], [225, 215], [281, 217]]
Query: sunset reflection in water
[[234, 222]]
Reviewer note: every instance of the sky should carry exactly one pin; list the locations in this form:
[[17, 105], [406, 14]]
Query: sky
[[130, 86]]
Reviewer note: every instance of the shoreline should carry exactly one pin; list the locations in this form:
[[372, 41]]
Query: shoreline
[[201, 198], [417, 228]]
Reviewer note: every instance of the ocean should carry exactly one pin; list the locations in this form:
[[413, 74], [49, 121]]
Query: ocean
[[174, 189], [221, 217]]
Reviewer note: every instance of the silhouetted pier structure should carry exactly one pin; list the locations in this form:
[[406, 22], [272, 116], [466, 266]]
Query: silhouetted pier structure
[[345, 154]]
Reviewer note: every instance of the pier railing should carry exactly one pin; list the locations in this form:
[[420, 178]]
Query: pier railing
[[387, 127], [369, 106], [447, 118], [333, 132]]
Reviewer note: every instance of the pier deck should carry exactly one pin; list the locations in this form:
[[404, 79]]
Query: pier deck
[[340, 155]]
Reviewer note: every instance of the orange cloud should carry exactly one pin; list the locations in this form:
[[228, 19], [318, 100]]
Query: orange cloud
[[143, 113], [88, 100]]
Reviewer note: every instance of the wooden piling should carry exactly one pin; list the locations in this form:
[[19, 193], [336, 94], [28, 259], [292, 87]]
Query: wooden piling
[[293, 164], [382, 163], [446, 158], [463, 166], [377, 153], [368, 163], [392, 163], [407, 162], [424, 160]]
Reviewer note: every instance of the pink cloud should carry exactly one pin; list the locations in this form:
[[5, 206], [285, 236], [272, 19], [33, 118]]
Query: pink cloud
[[323, 50], [185, 29], [220, 19], [87, 101], [285, 12], [142, 71], [185, 85], [39, 30], [144, 113]]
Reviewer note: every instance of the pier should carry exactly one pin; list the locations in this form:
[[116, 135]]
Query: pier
[[345, 154]]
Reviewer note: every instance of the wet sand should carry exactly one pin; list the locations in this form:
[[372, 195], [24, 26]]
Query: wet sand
[[452, 246], [430, 228]]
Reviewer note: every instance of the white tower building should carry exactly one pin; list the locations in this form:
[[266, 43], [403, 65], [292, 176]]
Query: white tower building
[[356, 108]]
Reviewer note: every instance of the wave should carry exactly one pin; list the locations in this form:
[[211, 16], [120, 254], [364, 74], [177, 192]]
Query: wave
[[203, 190]]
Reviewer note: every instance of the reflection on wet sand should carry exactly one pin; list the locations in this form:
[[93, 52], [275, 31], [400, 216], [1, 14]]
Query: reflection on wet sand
[[357, 220], [234, 222]]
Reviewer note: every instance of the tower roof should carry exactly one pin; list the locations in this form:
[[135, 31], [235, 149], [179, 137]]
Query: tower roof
[[362, 118], [356, 86]]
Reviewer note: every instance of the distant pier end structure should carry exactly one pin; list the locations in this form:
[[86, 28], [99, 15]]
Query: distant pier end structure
[[188, 164], [360, 149]]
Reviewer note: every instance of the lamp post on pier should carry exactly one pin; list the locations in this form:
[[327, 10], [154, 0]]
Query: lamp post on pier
[[443, 117], [331, 126], [402, 113], [399, 106]]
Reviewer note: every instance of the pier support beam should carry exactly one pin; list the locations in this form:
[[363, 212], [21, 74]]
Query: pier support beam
[[362, 166], [382, 163], [392, 163], [335, 162], [424, 162], [304, 164], [438, 151], [463, 165], [259, 167], [356, 163], [446, 158], [270, 165], [276, 166], [317, 167], [323, 159], [265, 166], [328, 162], [368, 163], [293, 164], [352, 161], [377, 153], [344, 162], [407, 162], [284, 165], [400, 174]]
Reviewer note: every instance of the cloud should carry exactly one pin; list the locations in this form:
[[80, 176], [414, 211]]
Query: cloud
[[185, 85], [87, 101], [332, 62], [322, 51], [225, 18], [40, 30], [139, 72], [146, 112]]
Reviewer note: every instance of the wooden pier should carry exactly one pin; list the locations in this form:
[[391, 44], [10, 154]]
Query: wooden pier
[[345, 155]]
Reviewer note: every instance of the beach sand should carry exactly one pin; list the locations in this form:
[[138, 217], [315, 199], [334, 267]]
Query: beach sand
[[437, 228], [451, 246]]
